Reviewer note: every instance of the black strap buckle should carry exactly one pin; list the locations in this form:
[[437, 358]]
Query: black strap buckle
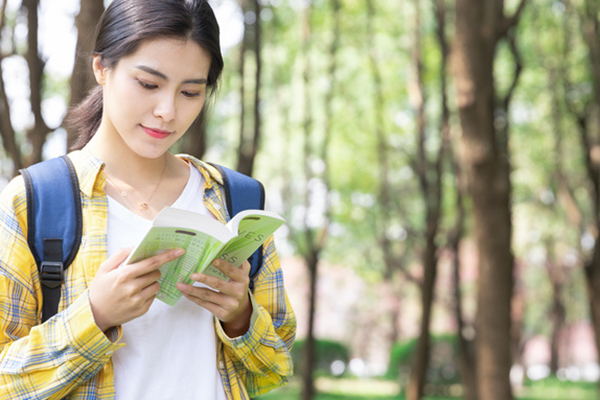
[[51, 273]]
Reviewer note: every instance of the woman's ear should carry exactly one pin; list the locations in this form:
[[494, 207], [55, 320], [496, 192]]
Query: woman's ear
[[100, 70]]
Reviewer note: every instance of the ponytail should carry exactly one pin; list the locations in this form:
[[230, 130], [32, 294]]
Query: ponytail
[[85, 118]]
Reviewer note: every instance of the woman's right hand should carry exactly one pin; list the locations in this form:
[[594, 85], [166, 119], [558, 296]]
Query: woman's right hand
[[118, 295]]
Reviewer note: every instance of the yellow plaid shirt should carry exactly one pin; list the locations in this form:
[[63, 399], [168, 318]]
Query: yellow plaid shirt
[[68, 356]]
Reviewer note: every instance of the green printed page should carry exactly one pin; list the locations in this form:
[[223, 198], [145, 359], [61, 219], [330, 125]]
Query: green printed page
[[252, 228], [204, 239], [201, 236]]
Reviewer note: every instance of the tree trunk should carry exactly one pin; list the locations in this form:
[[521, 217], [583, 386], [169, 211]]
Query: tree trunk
[[430, 191], [37, 134], [7, 131], [248, 147], [467, 362], [310, 255], [82, 77], [557, 275], [479, 26], [309, 359], [315, 238], [430, 178], [466, 347], [591, 30]]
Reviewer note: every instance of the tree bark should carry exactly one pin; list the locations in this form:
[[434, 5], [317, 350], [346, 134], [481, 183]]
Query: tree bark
[[9, 141], [467, 362], [479, 26], [82, 78], [248, 147], [309, 358], [37, 134], [590, 24], [557, 274], [429, 175]]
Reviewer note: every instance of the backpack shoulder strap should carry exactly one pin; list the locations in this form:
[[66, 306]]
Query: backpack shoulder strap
[[243, 193], [54, 223]]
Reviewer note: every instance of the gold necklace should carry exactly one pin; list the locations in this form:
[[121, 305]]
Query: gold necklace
[[141, 205]]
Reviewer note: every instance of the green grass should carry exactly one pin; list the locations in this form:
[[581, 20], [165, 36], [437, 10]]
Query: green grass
[[363, 389]]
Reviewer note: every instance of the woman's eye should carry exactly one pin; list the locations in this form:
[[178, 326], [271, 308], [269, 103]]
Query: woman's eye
[[146, 85], [190, 94]]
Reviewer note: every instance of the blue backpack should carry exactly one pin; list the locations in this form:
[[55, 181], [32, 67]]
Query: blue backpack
[[55, 223]]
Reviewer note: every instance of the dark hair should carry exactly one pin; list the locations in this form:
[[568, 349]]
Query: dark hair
[[125, 25]]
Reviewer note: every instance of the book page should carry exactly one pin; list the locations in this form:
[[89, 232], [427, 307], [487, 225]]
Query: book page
[[201, 249], [253, 228], [203, 238]]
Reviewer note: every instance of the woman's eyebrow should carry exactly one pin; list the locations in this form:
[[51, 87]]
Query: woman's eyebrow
[[162, 76]]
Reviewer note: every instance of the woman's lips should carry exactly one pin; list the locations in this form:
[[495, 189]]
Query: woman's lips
[[156, 133]]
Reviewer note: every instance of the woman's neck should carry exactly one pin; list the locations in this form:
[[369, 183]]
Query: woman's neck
[[144, 185], [125, 165]]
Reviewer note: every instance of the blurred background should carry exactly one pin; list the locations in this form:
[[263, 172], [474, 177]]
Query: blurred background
[[437, 162]]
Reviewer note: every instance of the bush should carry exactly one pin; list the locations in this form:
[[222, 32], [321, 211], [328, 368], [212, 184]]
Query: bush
[[443, 356], [326, 353]]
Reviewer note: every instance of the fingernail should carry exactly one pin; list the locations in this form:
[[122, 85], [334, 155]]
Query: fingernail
[[179, 252], [196, 277]]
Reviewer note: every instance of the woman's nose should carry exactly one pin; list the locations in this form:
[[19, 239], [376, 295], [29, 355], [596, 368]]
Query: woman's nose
[[165, 109]]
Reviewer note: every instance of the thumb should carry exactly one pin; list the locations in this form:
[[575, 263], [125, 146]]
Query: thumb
[[113, 262]]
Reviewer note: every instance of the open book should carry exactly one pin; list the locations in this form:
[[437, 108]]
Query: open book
[[204, 239]]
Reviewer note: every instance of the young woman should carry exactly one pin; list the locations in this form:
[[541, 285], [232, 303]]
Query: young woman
[[156, 63]]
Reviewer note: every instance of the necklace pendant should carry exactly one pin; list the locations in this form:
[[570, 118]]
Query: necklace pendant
[[142, 205]]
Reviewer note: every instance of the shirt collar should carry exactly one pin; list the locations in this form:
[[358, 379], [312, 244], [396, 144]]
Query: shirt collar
[[89, 171], [211, 174]]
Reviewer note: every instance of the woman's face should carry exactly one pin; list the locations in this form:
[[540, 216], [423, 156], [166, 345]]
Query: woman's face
[[152, 96]]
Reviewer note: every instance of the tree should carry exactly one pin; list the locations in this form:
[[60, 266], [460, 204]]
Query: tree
[[483, 115], [312, 238], [82, 79], [586, 111], [249, 142], [9, 136], [429, 173]]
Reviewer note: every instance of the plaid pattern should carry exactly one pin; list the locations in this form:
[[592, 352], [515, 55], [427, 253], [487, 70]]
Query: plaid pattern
[[68, 356]]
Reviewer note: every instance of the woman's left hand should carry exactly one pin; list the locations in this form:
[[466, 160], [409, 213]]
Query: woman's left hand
[[230, 303]]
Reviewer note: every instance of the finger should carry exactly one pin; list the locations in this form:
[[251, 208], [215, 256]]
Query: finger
[[149, 278], [246, 267], [214, 308], [149, 292], [155, 262], [217, 303], [235, 287], [235, 274], [114, 261]]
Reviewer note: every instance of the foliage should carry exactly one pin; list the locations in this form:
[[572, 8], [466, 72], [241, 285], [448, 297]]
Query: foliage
[[327, 352], [443, 369], [546, 389]]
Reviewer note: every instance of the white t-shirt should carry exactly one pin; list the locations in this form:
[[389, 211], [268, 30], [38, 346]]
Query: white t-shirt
[[170, 352]]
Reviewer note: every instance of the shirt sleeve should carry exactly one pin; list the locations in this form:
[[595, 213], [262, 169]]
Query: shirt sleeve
[[262, 356], [40, 360]]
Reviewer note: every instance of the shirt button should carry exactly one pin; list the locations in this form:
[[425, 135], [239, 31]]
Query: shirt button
[[108, 353], [217, 207]]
